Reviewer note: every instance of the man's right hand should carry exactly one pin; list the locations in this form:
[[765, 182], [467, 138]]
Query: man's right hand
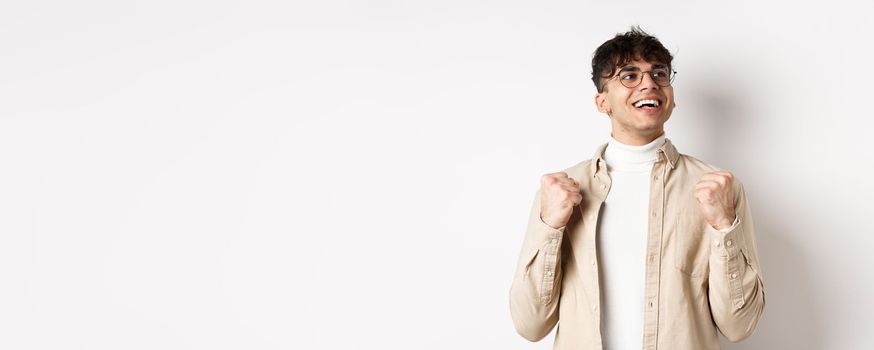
[[559, 194]]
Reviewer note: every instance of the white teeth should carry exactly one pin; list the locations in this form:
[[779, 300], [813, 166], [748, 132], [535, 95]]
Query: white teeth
[[643, 102]]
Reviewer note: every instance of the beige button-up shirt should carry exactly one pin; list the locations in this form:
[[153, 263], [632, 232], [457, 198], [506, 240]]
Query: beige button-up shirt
[[698, 280]]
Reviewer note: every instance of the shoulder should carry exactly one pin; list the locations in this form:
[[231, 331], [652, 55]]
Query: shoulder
[[694, 164], [695, 168], [581, 171]]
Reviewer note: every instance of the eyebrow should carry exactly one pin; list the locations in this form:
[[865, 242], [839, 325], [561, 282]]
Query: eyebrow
[[633, 68]]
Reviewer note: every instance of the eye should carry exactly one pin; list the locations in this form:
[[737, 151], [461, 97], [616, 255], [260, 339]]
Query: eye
[[629, 76], [660, 73]]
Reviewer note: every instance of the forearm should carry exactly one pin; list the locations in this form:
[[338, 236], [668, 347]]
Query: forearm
[[537, 280], [737, 297]]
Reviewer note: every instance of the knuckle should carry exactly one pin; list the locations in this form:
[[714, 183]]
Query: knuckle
[[547, 179]]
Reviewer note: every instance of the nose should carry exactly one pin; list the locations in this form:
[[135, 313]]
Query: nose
[[647, 82]]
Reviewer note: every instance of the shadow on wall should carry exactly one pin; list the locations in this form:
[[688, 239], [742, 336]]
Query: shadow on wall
[[792, 319]]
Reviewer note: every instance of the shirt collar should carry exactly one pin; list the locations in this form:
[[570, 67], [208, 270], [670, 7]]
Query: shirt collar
[[667, 148]]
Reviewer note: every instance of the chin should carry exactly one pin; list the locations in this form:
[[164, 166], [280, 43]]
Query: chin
[[651, 125]]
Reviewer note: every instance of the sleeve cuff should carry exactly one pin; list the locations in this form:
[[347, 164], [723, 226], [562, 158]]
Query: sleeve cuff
[[724, 242], [551, 247]]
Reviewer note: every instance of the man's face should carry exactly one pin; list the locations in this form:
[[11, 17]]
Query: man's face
[[642, 122]]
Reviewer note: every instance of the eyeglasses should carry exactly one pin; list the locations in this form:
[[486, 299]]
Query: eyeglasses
[[632, 76]]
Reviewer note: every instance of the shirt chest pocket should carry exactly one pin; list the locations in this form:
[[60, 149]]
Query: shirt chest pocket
[[691, 245]]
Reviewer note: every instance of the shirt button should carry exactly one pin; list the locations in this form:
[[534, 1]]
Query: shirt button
[[717, 243], [554, 241], [734, 275], [653, 214], [656, 177], [603, 187], [728, 243], [549, 273], [650, 305], [593, 262]]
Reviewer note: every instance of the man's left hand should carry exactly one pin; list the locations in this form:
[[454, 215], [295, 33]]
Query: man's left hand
[[716, 198]]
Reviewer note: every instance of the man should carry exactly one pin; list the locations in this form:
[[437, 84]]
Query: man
[[641, 246]]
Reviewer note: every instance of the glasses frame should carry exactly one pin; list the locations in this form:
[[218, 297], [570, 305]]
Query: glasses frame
[[670, 79]]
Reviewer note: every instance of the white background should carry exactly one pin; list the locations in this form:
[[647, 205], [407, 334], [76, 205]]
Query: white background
[[358, 174]]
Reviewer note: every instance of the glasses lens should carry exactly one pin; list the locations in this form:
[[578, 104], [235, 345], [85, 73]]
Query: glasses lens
[[661, 76], [630, 78]]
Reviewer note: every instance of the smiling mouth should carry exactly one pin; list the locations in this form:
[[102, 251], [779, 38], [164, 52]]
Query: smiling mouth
[[648, 104]]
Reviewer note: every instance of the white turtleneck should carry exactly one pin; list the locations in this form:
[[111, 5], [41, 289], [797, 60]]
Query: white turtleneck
[[621, 239]]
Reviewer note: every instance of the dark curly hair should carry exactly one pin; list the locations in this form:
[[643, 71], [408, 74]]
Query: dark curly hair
[[624, 48]]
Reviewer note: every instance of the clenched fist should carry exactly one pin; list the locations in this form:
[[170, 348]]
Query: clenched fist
[[716, 198], [559, 194]]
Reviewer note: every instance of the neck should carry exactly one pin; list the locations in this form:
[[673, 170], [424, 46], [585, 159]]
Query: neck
[[636, 139]]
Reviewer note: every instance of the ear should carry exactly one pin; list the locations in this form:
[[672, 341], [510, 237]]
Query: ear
[[601, 103]]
